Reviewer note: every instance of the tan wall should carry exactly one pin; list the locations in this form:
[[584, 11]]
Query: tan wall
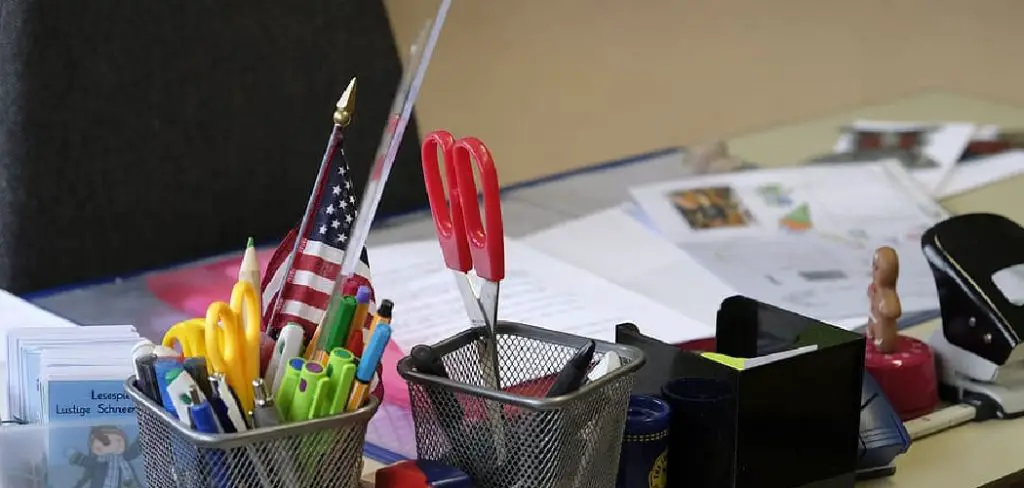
[[558, 84]]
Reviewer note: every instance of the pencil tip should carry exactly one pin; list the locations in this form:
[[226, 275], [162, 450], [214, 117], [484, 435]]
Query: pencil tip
[[250, 243], [346, 105]]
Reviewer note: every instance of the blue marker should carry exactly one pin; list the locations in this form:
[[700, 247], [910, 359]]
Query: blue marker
[[368, 366]]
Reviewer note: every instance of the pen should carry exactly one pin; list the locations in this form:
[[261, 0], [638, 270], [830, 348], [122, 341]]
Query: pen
[[201, 415], [264, 413], [225, 405], [574, 372], [368, 366], [196, 368], [289, 382], [205, 421], [337, 333], [383, 315], [361, 319], [289, 345], [341, 372]]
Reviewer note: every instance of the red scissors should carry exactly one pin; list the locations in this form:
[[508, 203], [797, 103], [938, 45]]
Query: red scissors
[[467, 243], [470, 240]]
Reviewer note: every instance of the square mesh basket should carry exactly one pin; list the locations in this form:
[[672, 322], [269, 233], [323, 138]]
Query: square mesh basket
[[516, 437], [326, 452]]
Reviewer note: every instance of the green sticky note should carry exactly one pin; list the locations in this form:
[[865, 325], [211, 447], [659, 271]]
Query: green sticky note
[[734, 363]]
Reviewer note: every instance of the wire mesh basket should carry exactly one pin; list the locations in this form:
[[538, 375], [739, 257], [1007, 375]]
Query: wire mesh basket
[[516, 437], [325, 452]]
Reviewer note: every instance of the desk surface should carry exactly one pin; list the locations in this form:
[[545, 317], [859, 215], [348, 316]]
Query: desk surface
[[968, 456]]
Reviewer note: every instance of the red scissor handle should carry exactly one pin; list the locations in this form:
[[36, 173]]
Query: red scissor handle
[[448, 218], [486, 243]]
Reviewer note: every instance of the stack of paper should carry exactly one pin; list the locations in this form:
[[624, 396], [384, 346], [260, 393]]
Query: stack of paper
[[800, 237]]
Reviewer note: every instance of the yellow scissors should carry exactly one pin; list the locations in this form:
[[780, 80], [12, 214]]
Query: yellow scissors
[[229, 339]]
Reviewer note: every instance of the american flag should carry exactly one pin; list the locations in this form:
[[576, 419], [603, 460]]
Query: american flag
[[300, 293]]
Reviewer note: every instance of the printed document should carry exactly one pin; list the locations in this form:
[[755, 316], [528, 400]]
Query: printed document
[[801, 238], [537, 290]]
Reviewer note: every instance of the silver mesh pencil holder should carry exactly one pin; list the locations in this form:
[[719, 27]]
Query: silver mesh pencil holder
[[326, 452], [516, 437]]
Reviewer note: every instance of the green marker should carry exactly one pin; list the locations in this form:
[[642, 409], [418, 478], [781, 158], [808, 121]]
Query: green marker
[[289, 383], [341, 369], [312, 384], [337, 332]]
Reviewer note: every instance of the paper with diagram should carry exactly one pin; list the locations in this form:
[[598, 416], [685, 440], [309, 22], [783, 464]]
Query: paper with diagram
[[801, 238]]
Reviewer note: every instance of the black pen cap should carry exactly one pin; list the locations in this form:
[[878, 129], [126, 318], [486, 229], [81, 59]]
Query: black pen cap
[[385, 308]]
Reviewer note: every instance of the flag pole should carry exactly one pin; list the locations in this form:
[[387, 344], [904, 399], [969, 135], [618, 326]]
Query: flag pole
[[342, 116]]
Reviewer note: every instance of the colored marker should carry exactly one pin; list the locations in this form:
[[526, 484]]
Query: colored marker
[[289, 345], [306, 400], [289, 383], [362, 316], [341, 371], [368, 365], [337, 333]]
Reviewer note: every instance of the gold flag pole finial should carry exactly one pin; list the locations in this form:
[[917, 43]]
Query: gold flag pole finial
[[346, 105]]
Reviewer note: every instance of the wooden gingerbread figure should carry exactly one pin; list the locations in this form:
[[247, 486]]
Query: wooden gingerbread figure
[[904, 367], [885, 302]]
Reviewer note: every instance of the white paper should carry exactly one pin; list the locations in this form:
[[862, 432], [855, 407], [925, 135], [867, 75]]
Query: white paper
[[612, 244], [944, 144], [777, 356], [976, 173], [802, 238], [15, 312], [813, 275], [537, 290]]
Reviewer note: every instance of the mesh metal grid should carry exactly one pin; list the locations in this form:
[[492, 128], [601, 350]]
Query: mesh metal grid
[[320, 453], [566, 442]]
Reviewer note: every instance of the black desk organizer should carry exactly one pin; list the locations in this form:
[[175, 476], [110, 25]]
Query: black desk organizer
[[796, 420]]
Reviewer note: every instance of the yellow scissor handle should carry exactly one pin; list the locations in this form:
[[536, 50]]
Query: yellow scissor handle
[[226, 348], [189, 335], [245, 303]]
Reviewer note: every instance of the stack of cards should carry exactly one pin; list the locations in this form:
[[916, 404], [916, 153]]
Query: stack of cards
[[72, 380]]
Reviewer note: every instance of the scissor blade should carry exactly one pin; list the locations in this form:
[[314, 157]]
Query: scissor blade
[[488, 302], [474, 309]]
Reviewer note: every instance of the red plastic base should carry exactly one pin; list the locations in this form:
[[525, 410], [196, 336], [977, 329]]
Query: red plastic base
[[907, 376]]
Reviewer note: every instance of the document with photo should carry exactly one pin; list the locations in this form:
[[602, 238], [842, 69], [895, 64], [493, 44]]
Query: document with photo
[[801, 238]]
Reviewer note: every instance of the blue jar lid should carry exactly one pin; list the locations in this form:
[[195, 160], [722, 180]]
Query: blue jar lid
[[646, 415]]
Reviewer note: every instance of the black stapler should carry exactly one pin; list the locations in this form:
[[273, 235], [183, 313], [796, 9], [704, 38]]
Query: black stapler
[[977, 262]]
